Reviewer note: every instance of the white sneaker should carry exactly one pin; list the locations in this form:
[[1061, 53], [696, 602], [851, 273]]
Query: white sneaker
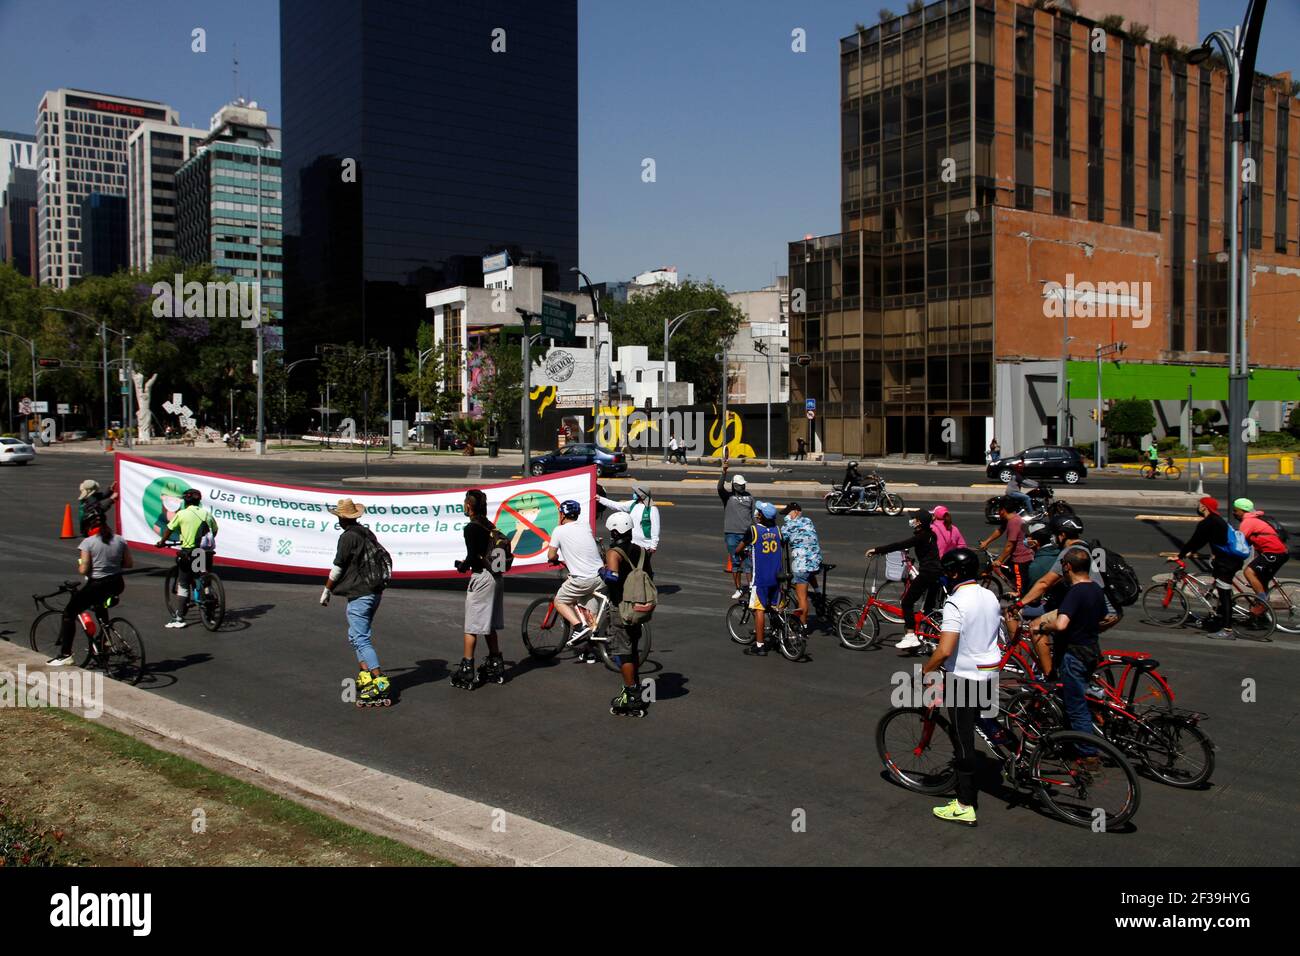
[[735, 595], [59, 661], [578, 636], [176, 622], [909, 640]]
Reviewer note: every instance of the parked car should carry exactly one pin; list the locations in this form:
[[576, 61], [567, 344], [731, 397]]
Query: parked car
[[580, 455], [1042, 461], [15, 452]]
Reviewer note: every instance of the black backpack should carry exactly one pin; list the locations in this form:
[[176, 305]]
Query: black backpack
[[1119, 580], [374, 563], [1278, 527], [499, 554]]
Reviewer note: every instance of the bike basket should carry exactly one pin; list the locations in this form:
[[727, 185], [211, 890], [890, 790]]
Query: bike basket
[[894, 566]]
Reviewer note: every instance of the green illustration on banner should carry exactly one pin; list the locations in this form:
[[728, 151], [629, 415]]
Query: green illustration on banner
[[527, 519], [162, 499]]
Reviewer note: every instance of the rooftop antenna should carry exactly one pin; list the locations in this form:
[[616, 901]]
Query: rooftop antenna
[[235, 70]]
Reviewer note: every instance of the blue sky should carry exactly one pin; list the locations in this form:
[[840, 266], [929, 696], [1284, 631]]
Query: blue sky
[[744, 133]]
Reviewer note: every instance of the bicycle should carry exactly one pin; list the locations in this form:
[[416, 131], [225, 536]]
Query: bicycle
[[543, 639], [207, 593], [780, 623], [917, 746], [1167, 604], [995, 577], [1170, 469], [114, 643], [859, 629], [889, 593]]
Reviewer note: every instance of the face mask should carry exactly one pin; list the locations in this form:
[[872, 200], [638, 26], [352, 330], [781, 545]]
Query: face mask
[[915, 525]]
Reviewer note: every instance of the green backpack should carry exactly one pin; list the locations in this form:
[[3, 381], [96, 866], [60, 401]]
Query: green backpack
[[640, 596]]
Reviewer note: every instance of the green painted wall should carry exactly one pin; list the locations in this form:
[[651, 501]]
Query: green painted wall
[[1135, 380]]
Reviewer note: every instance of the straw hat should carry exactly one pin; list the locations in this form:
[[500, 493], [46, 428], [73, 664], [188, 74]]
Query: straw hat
[[347, 508]]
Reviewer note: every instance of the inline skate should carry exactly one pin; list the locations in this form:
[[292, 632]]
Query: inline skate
[[464, 677]]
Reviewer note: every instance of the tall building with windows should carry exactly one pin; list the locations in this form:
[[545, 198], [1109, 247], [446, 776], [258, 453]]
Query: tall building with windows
[[18, 220], [17, 151], [404, 167], [155, 151], [1021, 185], [81, 138], [104, 245], [228, 202]]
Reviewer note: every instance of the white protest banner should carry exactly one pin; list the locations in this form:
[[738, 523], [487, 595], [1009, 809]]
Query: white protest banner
[[285, 528]]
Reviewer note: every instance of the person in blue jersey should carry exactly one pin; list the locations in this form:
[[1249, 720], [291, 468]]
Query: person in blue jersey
[[768, 551]]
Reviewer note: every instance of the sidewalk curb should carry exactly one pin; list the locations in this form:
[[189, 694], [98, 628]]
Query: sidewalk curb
[[459, 829]]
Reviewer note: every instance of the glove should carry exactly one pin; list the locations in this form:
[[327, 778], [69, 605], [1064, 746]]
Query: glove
[[460, 566], [324, 597]]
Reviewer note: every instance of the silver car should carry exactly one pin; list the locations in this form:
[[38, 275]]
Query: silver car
[[15, 452]]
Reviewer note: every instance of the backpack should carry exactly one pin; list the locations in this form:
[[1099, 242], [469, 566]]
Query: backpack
[[1118, 579], [374, 563], [1278, 527], [1237, 546], [640, 596], [499, 557]]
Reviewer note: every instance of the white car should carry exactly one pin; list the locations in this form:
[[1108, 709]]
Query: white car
[[15, 452]]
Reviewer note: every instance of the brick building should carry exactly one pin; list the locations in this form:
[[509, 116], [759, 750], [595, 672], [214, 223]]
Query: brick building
[[1016, 179]]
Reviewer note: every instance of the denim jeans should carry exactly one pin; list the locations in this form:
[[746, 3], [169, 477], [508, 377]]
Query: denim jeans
[[1021, 499], [1074, 674], [361, 614]]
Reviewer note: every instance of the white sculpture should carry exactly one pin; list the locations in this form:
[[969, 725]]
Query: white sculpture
[[143, 415]]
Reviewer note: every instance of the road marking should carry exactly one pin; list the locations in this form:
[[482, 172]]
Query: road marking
[[988, 486], [1167, 517], [664, 504]]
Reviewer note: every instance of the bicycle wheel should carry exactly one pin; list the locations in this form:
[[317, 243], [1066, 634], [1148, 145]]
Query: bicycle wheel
[[1252, 619], [1175, 751], [44, 634], [212, 601], [916, 746], [1165, 605], [543, 631], [642, 650], [830, 621], [1029, 716], [1146, 471], [1284, 599], [121, 655], [891, 504], [1173, 472], [891, 593], [992, 582], [791, 637], [1105, 792], [169, 592], [740, 623], [855, 634]]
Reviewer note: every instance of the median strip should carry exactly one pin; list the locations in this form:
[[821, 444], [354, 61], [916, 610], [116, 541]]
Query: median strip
[[1167, 517]]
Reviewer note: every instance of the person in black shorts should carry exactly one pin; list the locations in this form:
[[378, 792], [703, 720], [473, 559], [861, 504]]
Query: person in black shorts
[[620, 560]]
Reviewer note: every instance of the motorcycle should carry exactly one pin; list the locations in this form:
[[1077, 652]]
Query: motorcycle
[[1046, 507], [842, 501]]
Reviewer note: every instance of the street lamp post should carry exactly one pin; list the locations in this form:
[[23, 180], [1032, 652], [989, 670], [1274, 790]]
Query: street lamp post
[[9, 386], [419, 394], [595, 337], [31, 344], [284, 406], [762, 348], [103, 336], [670, 329]]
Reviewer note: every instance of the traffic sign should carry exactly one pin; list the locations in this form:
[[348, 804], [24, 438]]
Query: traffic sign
[[63, 409], [559, 319], [810, 404], [41, 408], [811, 414]]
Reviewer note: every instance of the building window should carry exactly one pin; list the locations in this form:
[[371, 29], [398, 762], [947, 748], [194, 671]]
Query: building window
[[1178, 215], [1280, 187], [1096, 135], [1203, 167], [1061, 119], [1128, 108], [1257, 154], [1154, 119], [1024, 108]]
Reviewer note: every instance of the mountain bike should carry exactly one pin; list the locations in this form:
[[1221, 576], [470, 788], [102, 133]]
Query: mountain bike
[[917, 746], [545, 632], [1170, 603], [207, 593], [114, 645], [780, 624]]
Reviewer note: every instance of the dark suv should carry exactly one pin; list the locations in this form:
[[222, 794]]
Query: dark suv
[[1042, 461]]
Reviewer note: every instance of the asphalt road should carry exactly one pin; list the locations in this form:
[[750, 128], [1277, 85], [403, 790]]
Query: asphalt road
[[735, 747]]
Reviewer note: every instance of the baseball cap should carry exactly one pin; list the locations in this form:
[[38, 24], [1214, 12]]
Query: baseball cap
[[1211, 504], [1245, 504], [738, 479], [939, 511], [792, 506], [89, 487], [767, 509]]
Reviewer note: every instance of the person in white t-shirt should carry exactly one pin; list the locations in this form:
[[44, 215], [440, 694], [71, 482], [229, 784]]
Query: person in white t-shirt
[[645, 520], [573, 543], [969, 656]]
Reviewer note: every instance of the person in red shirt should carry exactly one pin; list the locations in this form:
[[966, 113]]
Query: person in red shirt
[[1270, 549], [1016, 555]]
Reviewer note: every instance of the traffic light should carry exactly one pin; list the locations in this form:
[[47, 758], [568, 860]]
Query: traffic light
[[49, 363], [1092, 413]]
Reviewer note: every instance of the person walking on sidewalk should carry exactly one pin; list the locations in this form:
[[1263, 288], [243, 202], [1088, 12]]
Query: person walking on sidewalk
[[360, 574], [485, 562], [737, 519]]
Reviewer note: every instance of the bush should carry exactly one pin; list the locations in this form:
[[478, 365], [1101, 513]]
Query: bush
[[1293, 420], [1130, 418], [1169, 445], [1120, 455], [1138, 31], [1284, 440]]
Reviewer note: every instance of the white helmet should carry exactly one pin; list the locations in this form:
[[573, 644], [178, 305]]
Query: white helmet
[[738, 480], [620, 522]]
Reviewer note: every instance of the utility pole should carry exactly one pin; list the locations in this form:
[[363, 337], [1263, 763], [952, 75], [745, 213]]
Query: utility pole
[[525, 427], [103, 346], [1099, 452], [261, 371], [389, 350]]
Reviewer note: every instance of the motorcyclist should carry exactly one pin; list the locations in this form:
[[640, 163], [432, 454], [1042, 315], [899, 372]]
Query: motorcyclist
[[855, 482]]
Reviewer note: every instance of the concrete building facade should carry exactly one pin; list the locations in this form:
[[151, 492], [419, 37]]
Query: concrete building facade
[[155, 151]]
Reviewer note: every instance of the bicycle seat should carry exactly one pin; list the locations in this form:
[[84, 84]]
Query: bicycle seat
[[1143, 662], [826, 567]]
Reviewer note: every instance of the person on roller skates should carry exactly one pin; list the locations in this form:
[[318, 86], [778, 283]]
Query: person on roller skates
[[486, 563], [630, 587], [360, 574]]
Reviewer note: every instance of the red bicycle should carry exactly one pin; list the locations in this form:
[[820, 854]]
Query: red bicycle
[[859, 628]]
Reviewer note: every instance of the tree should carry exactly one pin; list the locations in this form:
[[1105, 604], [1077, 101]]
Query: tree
[[1130, 418], [428, 385], [640, 321], [356, 380], [500, 387]]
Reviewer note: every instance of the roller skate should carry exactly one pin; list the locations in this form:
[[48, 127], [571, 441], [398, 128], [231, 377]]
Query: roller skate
[[628, 704], [464, 677], [492, 670], [372, 690]]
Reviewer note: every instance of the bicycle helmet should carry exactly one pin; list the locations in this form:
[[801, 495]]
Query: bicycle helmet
[[620, 522], [960, 564], [570, 508], [1068, 525], [192, 496]]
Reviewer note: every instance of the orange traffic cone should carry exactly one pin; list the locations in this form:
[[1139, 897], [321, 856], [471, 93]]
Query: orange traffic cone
[[67, 523]]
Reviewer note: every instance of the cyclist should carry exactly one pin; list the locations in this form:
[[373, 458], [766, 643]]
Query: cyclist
[[198, 531], [1076, 644], [737, 512], [101, 556], [348, 579], [1270, 550], [767, 544], [948, 534], [1015, 556], [485, 595], [1213, 530], [1153, 459], [620, 560], [573, 543], [645, 519], [805, 553], [925, 586], [969, 657]]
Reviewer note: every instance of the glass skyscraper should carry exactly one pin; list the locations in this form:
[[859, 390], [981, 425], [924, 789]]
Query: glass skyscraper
[[418, 137]]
